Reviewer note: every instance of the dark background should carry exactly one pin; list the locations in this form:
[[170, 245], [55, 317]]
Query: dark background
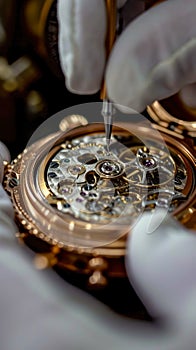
[[40, 90]]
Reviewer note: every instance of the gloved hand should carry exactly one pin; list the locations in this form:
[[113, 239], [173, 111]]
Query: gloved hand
[[152, 59]]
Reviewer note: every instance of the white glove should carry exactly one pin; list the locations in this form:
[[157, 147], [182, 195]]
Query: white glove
[[40, 311], [82, 30], [152, 59]]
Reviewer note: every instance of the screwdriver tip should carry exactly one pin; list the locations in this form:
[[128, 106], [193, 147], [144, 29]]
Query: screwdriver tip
[[108, 145]]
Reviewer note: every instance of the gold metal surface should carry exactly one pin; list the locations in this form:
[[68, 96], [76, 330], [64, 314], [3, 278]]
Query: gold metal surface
[[32, 209], [166, 119]]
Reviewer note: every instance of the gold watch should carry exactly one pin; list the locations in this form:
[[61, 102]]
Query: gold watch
[[75, 203]]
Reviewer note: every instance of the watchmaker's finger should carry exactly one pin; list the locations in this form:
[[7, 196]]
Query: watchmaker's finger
[[82, 28], [161, 263], [155, 55], [82, 34]]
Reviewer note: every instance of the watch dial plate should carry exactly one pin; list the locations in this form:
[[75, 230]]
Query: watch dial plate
[[90, 184]]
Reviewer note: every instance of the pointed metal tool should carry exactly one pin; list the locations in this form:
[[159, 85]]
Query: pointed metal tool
[[107, 113], [108, 108]]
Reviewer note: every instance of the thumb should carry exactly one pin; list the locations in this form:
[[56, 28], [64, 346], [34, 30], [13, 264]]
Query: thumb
[[161, 265], [155, 55]]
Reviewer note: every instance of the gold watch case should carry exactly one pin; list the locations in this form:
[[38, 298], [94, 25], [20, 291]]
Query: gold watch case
[[75, 204]]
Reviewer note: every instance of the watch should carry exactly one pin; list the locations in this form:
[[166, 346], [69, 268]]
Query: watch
[[75, 203]]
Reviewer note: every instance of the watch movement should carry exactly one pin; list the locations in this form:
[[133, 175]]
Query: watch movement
[[75, 202]]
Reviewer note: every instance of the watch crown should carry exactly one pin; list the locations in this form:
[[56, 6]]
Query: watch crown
[[97, 280]]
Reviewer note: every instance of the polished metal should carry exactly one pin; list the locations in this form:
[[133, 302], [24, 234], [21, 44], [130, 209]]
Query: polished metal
[[75, 201]]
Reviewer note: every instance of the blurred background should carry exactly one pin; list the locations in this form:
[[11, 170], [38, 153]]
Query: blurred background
[[31, 83], [32, 86]]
